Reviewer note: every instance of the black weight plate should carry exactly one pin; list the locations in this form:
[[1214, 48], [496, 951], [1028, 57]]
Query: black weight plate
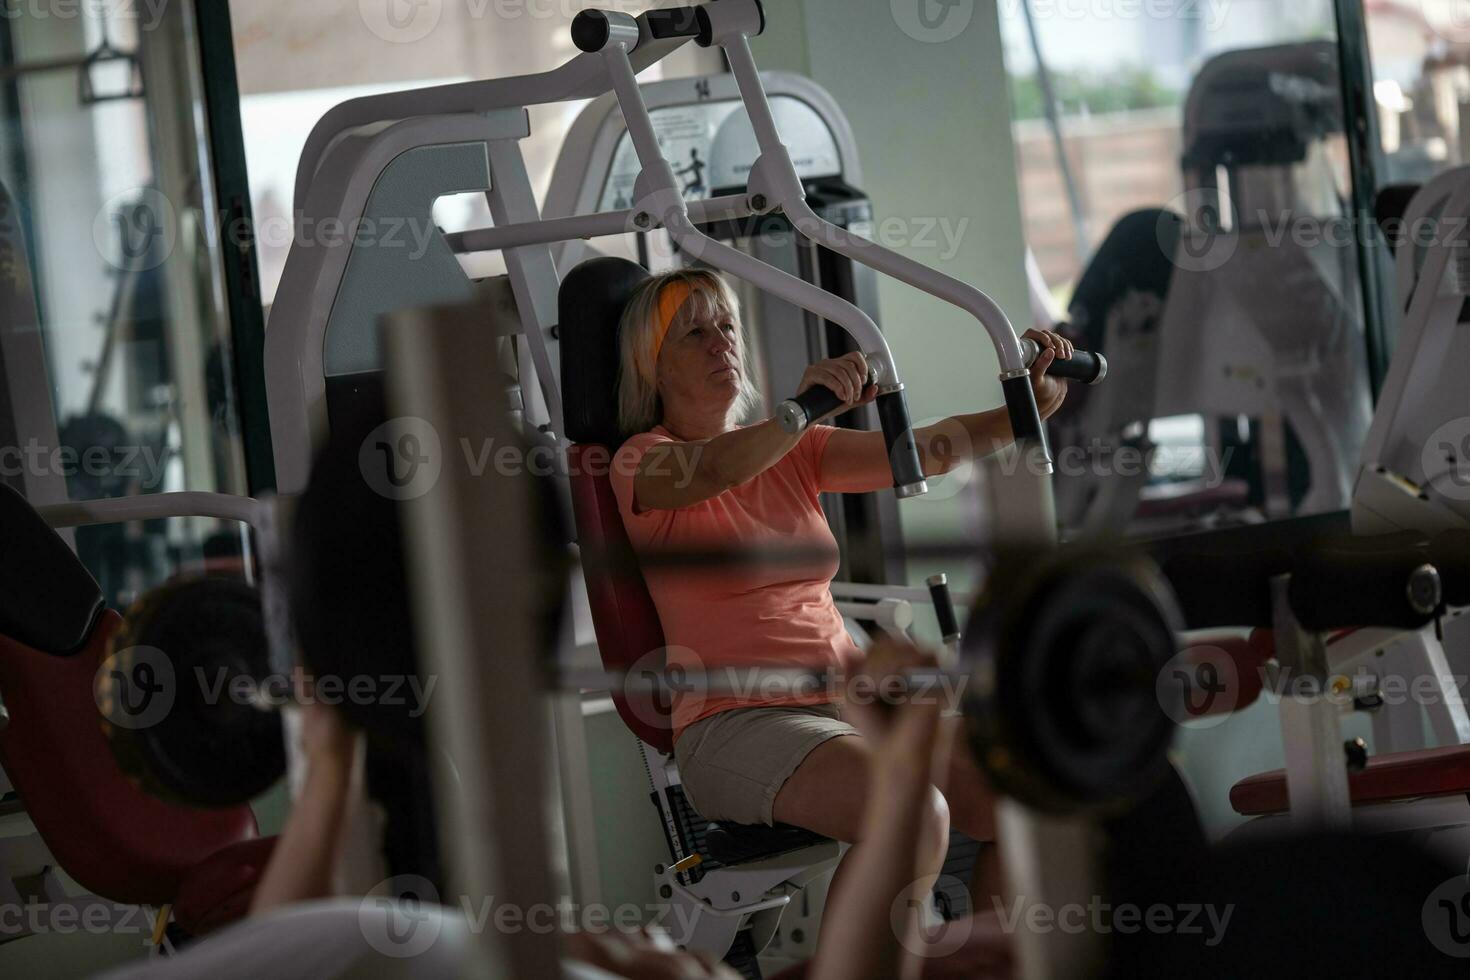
[[1064, 653], [211, 736]]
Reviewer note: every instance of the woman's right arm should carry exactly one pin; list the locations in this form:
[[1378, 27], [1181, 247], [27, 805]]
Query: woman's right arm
[[674, 475]]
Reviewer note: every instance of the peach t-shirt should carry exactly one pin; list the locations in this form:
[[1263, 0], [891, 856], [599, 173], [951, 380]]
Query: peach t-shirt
[[768, 614]]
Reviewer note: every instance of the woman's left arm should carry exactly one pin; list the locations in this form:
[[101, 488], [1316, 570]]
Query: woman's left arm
[[857, 461]]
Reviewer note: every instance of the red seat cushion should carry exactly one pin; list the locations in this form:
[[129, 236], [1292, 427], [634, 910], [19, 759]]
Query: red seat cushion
[[1387, 778], [217, 891], [626, 621], [1224, 672], [109, 835]]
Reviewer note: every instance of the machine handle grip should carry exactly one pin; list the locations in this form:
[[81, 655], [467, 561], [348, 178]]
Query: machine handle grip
[[679, 22], [1026, 426], [1337, 583], [903, 451], [592, 29], [1087, 367], [795, 414], [949, 624]]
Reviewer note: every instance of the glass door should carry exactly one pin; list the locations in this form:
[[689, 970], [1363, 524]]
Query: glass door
[[119, 372]]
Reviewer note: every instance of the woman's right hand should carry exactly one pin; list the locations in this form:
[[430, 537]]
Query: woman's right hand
[[328, 740], [846, 377]]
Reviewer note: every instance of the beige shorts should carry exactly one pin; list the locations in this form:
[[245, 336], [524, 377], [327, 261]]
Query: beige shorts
[[734, 763]]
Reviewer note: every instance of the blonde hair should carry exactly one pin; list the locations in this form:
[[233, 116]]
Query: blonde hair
[[639, 406]]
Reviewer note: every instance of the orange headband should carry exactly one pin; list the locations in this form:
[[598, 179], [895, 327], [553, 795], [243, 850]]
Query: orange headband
[[671, 297]]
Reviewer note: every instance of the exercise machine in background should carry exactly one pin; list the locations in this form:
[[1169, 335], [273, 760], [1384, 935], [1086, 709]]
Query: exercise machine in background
[[1237, 318]]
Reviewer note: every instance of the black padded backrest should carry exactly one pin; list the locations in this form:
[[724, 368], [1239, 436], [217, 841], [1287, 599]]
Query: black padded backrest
[[1389, 209], [591, 301], [1137, 256], [48, 599]]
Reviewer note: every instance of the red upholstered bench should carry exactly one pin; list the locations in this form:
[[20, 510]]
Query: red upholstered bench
[[109, 835], [217, 890], [1392, 778]]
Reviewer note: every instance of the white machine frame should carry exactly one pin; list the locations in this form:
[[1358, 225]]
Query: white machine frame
[[1394, 493], [351, 157]]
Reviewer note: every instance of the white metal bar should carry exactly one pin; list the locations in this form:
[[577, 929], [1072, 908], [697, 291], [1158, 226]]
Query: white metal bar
[[584, 77], [551, 231], [895, 615], [780, 179], [470, 542], [1447, 715], [1049, 862], [579, 811], [1311, 736], [658, 194], [533, 277], [909, 593], [149, 507]]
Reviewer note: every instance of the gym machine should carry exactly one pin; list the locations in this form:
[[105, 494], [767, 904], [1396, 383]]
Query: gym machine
[[1351, 644], [391, 156], [1244, 310], [700, 119]]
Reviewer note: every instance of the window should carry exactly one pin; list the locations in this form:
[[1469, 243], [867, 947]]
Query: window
[[1186, 192], [116, 365]]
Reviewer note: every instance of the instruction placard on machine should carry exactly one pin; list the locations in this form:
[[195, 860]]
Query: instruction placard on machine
[[711, 145]]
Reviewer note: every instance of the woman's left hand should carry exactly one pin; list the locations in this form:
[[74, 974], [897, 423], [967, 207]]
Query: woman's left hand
[[1050, 392]]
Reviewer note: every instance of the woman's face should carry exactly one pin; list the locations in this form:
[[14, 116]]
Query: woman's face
[[699, 366]]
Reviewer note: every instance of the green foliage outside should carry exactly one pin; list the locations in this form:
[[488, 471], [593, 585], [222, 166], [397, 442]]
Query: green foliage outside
[[1091, 93]]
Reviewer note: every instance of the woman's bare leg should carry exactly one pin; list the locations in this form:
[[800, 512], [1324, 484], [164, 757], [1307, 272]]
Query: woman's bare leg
[[972, 809], [828, 792]]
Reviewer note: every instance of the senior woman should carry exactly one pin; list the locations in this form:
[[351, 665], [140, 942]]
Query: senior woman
[[693, 477]]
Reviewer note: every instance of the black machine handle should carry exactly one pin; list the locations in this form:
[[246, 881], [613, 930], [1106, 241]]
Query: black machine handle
[[1386, 581], [1337, 582], [590, 28], [1084, 366], [949, 624], [903, 452], [1026, 426], [680, 22], [795, 414]]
